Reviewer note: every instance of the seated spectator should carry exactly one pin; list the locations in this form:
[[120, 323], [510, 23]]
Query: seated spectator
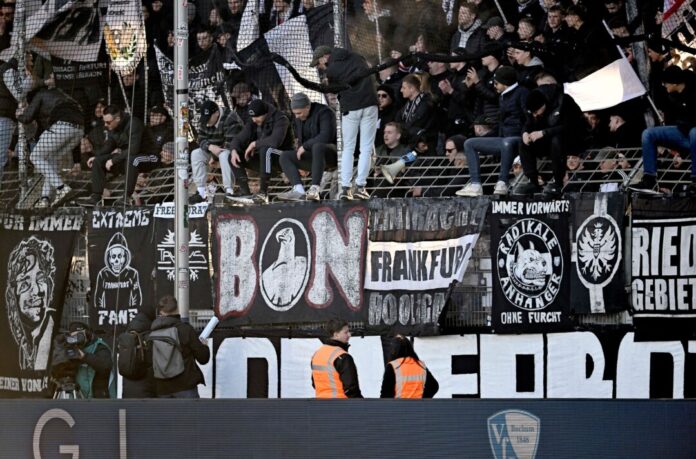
[[218, 126], [611, 170], [315, 127], [453, 177], [161, 125], [268, 134], [512, 108], [61, 120], [388, 109], [679, 132], [391, 149], [147, 163], [623, 132], [417, 117], [469, 35], [241, 97], [596, 134], [128, 138], [553, 129]]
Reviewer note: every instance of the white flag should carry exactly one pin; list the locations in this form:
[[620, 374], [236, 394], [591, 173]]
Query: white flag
[[607, 87], [249, 27]]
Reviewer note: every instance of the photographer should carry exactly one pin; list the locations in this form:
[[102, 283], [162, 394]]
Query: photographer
[[93, 359]]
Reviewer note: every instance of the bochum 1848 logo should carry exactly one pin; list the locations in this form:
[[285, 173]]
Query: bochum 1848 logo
[[514, 434], [530, 264]]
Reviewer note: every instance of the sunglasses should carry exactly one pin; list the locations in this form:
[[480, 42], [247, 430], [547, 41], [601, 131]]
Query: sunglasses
[[382, 95], [450, 150]]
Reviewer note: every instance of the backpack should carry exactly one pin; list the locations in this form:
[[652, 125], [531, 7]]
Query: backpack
[[132, 349], [167, 359]]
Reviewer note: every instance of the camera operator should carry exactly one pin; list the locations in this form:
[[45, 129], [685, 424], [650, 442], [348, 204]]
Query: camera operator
[[94, 373]]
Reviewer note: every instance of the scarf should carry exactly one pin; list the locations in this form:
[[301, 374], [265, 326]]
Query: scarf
[[465, 34], [410, 109]]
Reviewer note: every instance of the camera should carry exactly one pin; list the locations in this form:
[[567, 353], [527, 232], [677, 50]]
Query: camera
[[65, 354]]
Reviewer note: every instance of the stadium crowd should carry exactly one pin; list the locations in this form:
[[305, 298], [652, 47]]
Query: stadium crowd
[[458, 79]]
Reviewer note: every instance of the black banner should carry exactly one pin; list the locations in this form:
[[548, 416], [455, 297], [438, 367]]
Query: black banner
[[200, 290], [121, 263], [417, 250], [597, 276], [70, 75], [35, 258], [663, 268], [290, 263], [530, 251]]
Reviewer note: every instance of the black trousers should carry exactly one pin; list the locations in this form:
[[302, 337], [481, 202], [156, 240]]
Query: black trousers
[[142, 163], [316, 160], [546, 146], [266, 162]]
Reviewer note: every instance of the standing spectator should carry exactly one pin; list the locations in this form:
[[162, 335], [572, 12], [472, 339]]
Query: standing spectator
[[218, 127], [388, 110], [406, 376], [128, 138], [528, 65], [553, 129], [469, 35], [623, 132], [512, 109], [360, 114], [555, 38], [13, 88], [334, 374], [678, 133], [145, 386], [495, 31], [417, 117], [482, 83], [267, 134], [192, 349], [95, 375], [595, 133], [315, 127], [60, 118], [458, 101], [591, 45]]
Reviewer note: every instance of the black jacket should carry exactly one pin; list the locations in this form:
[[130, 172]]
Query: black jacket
[[487, 98], [131, 136], [144, 387], [419, 120], [681, 109], [191, 348], [274, 132], [513, 106], [389, 384], [101, 363], [8, 104], [319, 127], [474, 45], [343, 67], [163, 133], [345, 366], [50, 105]]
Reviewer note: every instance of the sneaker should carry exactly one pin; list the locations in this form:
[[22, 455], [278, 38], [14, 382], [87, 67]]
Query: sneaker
[[553, 190], [647, 185], [313, 194], [61, 194], [501, 188], [42, 203], [291, 195], [345, 194], [471, 189], [361, 193], [245, 200], [527, 189], [196, 199], [260, 198]]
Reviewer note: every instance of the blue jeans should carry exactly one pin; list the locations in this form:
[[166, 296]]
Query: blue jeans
[[7, 127], [363, 121], [670, 137], [506, 147]]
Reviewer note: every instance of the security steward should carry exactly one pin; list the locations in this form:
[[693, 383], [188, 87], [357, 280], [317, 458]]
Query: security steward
[[334, 374], [406, 376]]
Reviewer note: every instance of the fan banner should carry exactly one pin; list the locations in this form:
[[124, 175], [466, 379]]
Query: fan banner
[[530, 253], [200, 289], [418, 250], [597, 275], [121, 266], [663, 267], [290, 263], [35, 259]]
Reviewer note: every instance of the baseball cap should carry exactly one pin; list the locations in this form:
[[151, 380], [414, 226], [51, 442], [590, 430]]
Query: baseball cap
[[209, 107], [320, 52]]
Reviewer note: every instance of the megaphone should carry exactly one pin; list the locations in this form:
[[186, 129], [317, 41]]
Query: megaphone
[[390, 171]]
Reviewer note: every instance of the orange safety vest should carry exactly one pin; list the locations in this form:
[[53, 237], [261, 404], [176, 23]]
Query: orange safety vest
[[410, 377], [327, 381]]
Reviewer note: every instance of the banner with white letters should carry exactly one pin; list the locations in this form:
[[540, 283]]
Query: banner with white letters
[[530, 251], [663, 267]]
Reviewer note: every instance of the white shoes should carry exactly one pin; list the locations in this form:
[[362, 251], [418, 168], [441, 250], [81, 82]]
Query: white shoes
[[471, 190], [501, 188]]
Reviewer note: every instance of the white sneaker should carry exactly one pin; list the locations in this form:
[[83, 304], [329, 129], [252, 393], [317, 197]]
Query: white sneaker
[[471, 190], [501, 188], [42, 203], [313, 194], [61, 194]]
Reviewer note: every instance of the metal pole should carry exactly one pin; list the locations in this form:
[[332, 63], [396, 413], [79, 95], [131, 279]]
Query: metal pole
[[21, 148], [338, 43], [181, 128]]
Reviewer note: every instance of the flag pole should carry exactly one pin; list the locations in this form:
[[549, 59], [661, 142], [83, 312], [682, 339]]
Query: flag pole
[[181, 131], [21, 148]]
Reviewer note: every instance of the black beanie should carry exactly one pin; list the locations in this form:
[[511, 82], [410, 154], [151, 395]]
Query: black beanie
[[505, 75], [673, 74], [257, 108]]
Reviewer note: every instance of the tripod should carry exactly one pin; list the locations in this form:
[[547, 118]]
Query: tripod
[[67, 389]]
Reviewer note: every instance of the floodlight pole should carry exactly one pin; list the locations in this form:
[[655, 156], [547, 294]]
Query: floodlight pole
[[181, 163]]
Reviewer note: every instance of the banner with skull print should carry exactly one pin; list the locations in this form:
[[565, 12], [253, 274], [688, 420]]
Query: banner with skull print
[[597, 275], [290, 263], [121, 263], [530, 251], [35, 259], [199, 274]]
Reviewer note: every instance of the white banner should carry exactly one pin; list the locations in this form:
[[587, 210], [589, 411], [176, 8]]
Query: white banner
[[424, 265]]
